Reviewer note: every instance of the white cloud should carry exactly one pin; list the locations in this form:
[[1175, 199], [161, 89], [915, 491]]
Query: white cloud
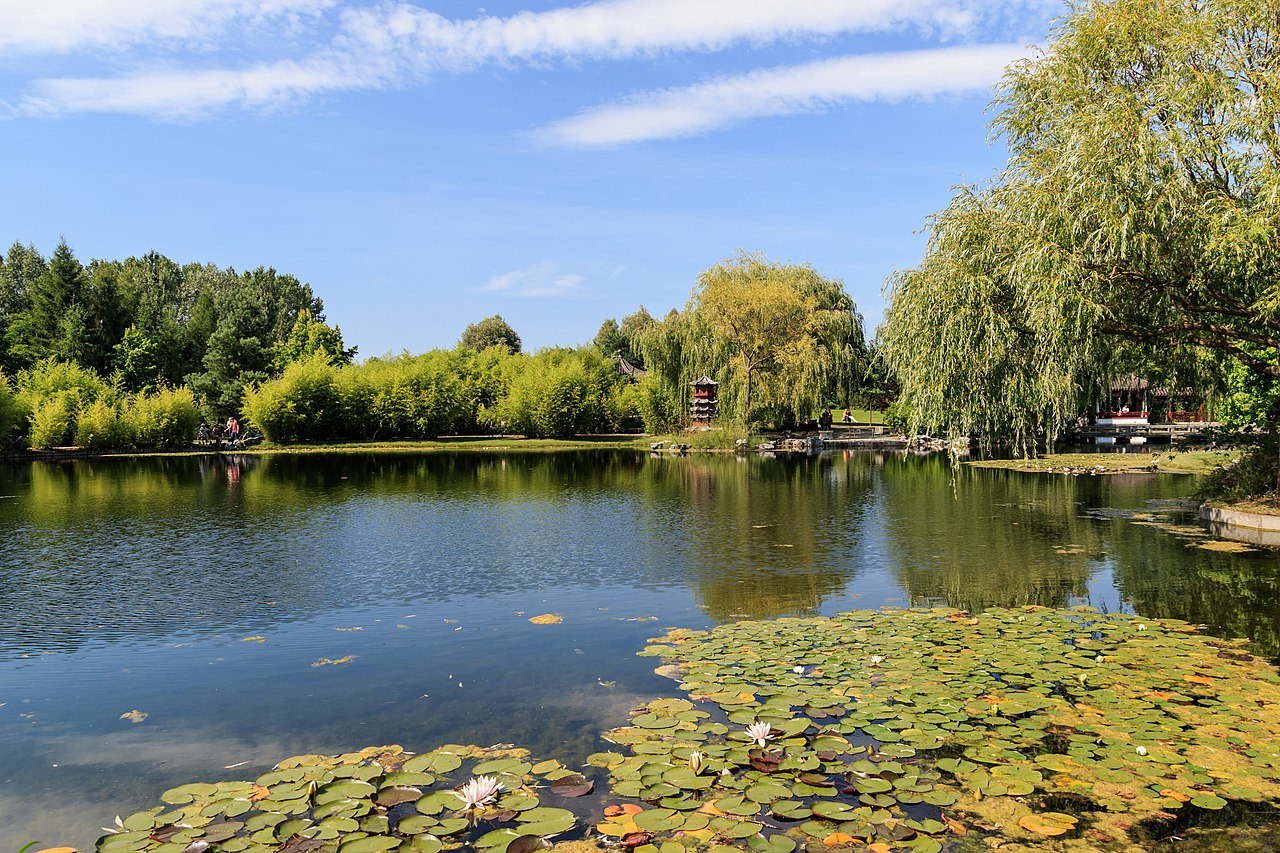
[[59, 26], [177, 94], [625, 28], [538, 280], [717, 103], [397, 44]]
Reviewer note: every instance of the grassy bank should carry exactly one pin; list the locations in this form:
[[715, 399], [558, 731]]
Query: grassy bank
[[1161, 461]]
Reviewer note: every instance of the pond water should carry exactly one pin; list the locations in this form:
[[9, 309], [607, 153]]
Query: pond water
[[203, 592]]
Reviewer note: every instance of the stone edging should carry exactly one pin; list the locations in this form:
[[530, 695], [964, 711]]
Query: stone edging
[[1238, 518]]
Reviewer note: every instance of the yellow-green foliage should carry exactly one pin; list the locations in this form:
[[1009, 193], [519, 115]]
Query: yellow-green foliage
[[50, 394], [779, 338], [98, 425], [53, 419], [302, 404], [561, 393], [166, 419], [444, 392]]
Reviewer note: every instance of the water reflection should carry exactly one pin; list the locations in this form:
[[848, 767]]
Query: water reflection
[[134, 583]]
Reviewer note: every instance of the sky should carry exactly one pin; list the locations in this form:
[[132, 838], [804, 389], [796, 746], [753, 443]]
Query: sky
[[426, 164]]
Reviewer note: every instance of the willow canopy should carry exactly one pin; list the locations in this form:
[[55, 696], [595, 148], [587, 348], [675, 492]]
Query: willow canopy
[[1135, 223]]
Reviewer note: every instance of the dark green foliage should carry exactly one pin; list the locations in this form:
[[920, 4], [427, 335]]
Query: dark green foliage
[[147, 321], [1254, 475], [10, 412], [490, 332]]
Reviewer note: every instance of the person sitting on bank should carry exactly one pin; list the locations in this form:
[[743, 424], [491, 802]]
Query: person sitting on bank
[[848, 415]]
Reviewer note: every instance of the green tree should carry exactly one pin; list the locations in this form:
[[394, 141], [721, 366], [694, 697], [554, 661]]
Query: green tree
[[785, 338], [308, 337], [1135, 222], [20, 268], [53, 325], [490, 332]]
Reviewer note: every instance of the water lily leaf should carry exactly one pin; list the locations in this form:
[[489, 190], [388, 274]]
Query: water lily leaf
[[187, 793], [369, 844], [541, 814], [832, 810], [1048, 823], [393, 795], [437, 801], [526, 844], [1208, 801], [433, 762], [511, 766], [790, 810], [349, 789], [498, 839], [576, 785], [422, 844]]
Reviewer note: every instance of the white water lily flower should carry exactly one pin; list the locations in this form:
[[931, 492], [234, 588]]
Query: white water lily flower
[[1142, 750], [696, 762], [759, 732], [876, 660], [479, 791], [798, 670]]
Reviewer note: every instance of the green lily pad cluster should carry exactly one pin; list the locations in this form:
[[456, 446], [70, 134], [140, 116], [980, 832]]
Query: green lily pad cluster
[[378, 799], [906, 728]]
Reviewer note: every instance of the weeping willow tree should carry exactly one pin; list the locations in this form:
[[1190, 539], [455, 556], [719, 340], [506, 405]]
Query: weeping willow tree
[[1135, 223], [780, 338]]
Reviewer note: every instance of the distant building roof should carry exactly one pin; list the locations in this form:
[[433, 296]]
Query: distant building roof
[[705, 380], [626, 368], [1128, 382]]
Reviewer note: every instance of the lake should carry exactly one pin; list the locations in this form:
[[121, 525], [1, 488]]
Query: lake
[[252, 608]]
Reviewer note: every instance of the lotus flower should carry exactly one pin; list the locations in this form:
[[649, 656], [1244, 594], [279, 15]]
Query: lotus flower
[[696, 762], [876, 660], [798, 670], [759, 732], [480, 791]]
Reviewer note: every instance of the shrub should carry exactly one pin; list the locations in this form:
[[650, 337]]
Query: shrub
[[98, 425], [166, 419], [53, 419], [1254, 475], [303, 404], [661, 407]]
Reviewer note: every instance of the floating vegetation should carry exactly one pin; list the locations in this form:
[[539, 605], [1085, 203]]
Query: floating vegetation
[[909, 728], [547, 619], [334, 661], [381, 798], [134, 716]]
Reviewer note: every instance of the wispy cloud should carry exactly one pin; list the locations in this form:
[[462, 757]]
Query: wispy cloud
[[717, 103], [539, 280], [59, 26], [399, 44]]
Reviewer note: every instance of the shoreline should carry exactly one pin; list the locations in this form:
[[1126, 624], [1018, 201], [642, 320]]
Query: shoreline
[[1099, 464]]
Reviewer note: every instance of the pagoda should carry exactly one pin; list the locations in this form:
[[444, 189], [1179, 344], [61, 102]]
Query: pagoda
[[704, 408]]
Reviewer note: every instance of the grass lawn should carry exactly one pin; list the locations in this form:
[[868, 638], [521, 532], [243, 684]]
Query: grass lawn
[[1162, 460]]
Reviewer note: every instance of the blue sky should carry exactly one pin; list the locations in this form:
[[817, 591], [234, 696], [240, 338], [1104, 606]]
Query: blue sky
[[426, 164]]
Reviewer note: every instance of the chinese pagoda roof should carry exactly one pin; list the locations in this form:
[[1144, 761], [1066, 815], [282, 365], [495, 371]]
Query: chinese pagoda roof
[[705, 380]]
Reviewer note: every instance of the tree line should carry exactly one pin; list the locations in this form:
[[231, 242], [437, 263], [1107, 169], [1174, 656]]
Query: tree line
[[99, 354]]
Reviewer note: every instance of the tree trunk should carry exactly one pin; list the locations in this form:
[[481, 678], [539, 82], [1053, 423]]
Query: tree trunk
[[746, 408]]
